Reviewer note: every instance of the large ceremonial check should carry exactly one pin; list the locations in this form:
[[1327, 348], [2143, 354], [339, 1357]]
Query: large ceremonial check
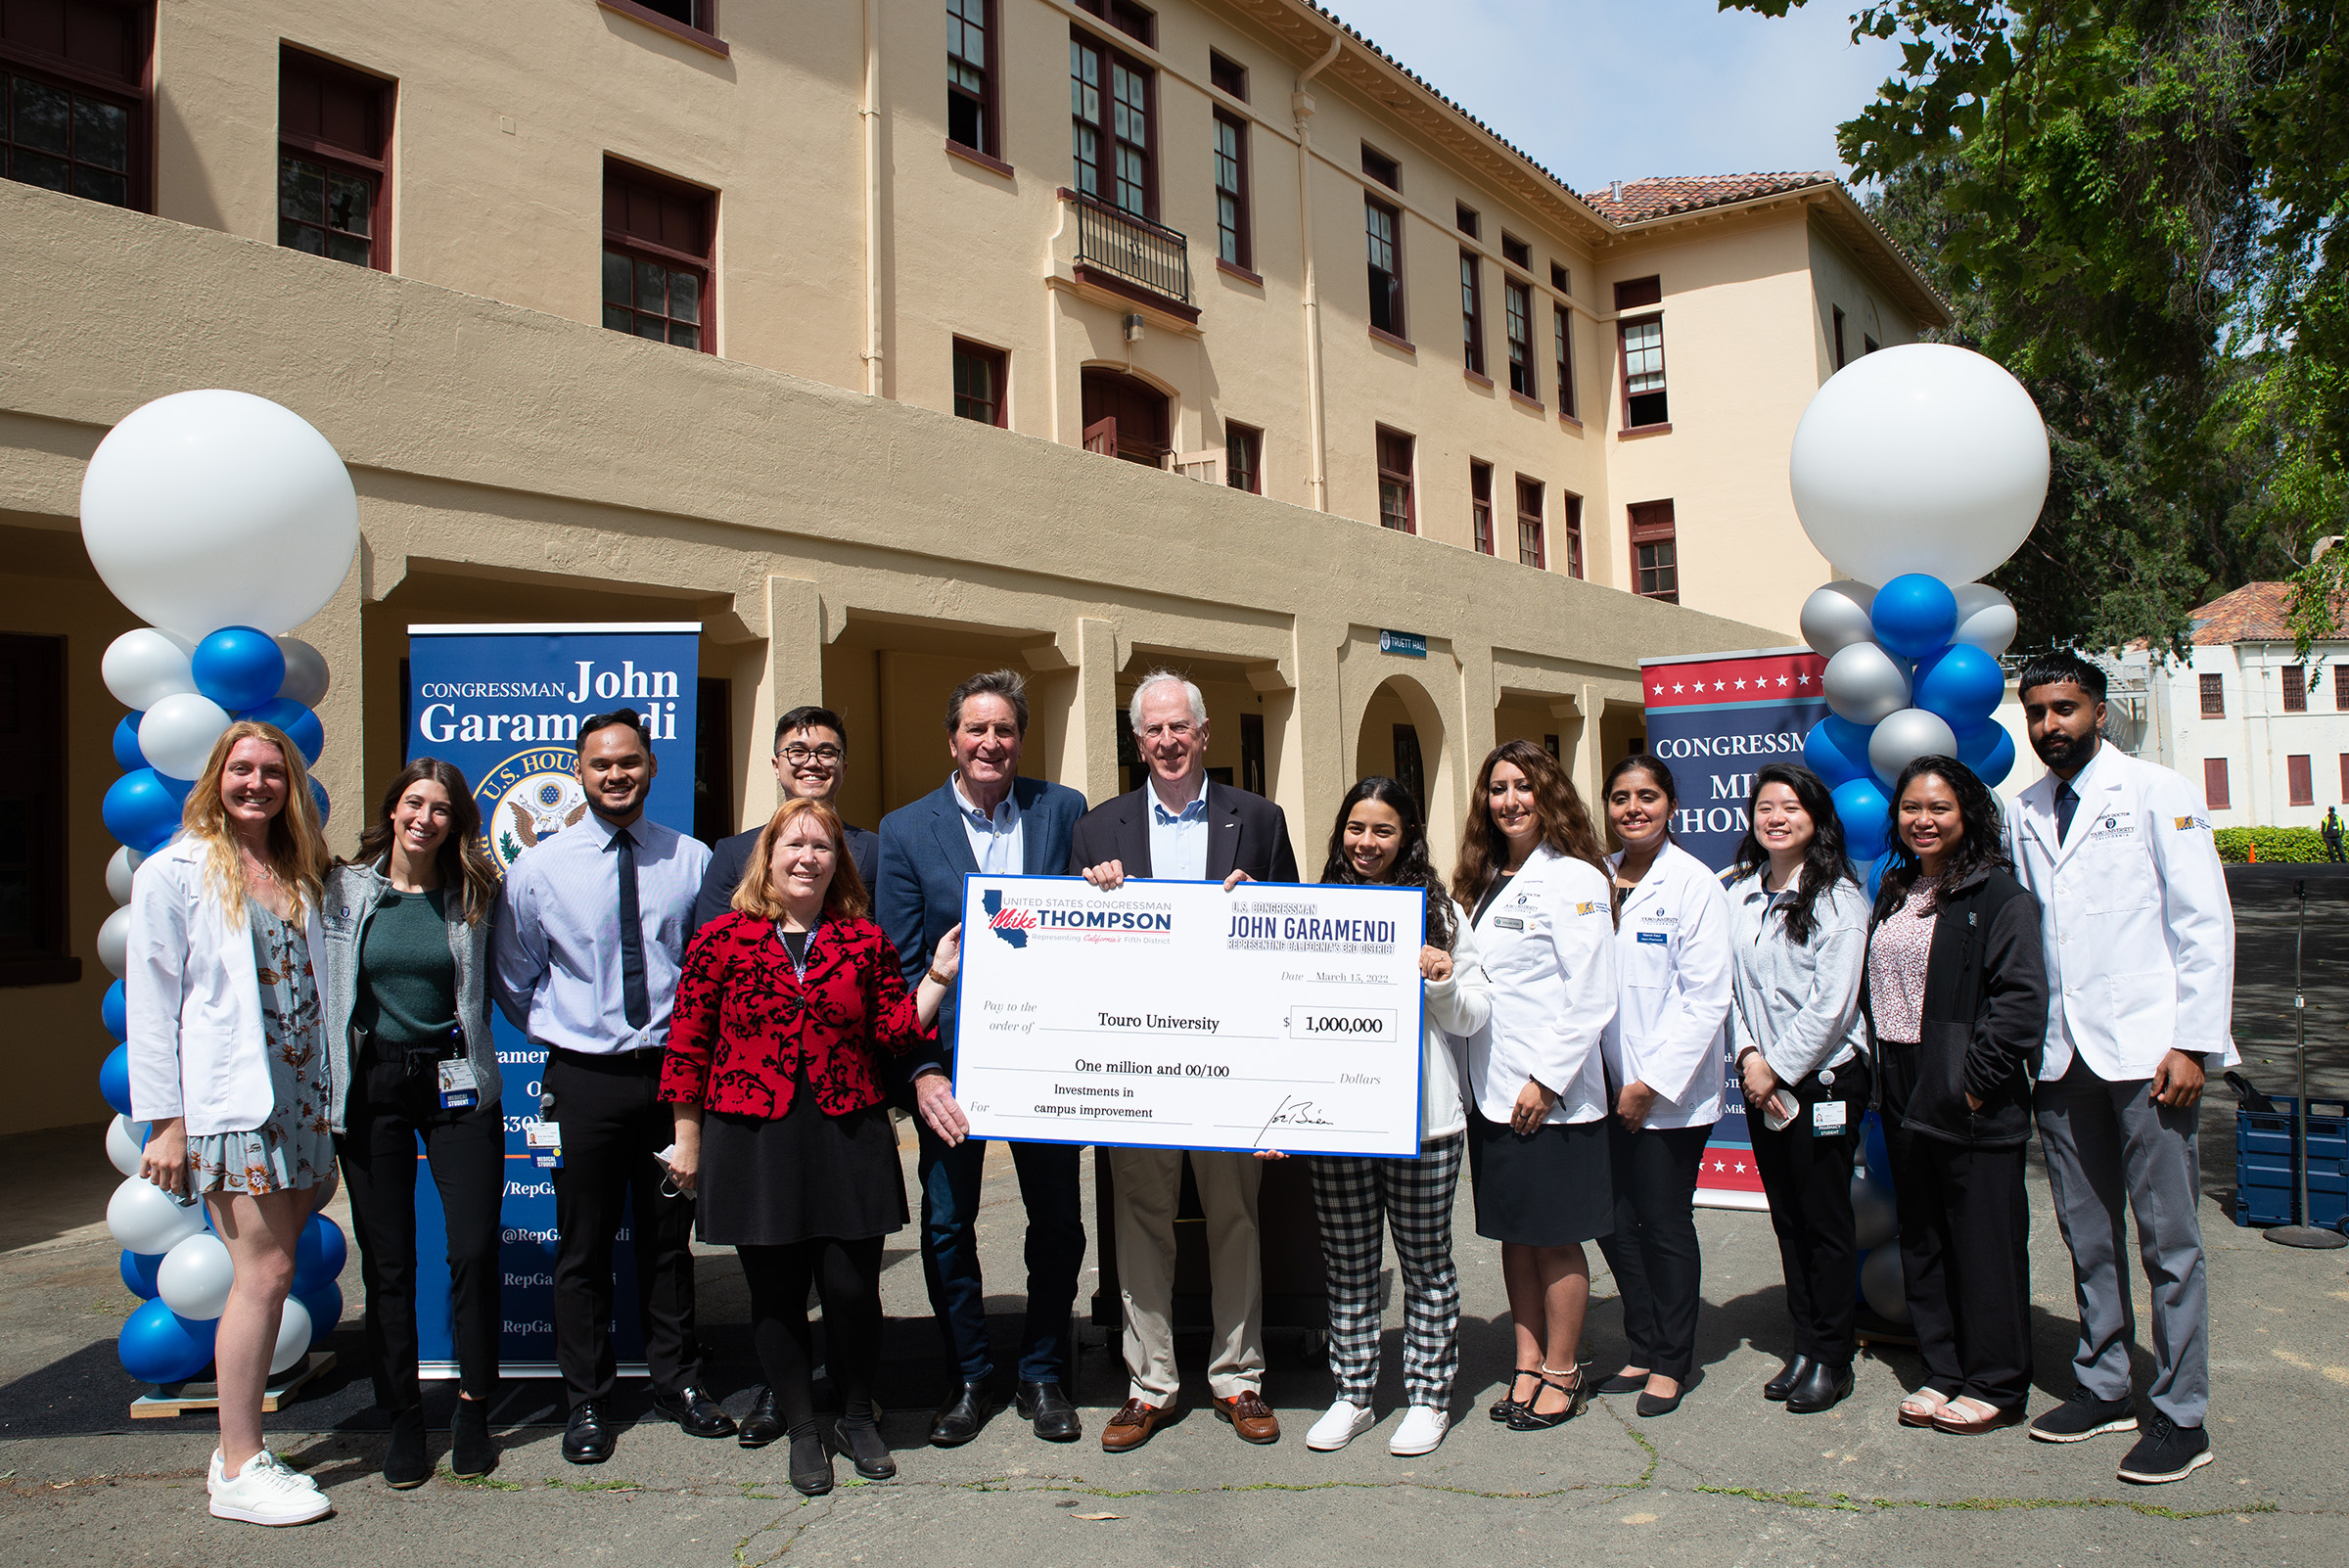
[[1176, 1015]]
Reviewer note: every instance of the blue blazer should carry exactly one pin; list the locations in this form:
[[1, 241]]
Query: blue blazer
[[925, 853]]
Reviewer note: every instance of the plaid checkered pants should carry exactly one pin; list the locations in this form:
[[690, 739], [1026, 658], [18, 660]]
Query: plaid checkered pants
[[1351, 1196]]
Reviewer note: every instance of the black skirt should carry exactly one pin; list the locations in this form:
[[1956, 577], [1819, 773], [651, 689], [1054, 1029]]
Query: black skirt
[[1550, 1189], [801, 1175]]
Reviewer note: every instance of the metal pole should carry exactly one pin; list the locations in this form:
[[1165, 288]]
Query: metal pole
[[2302, 1233]]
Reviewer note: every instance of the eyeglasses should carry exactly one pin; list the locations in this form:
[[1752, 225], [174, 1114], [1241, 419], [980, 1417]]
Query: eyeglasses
[[799, 755]]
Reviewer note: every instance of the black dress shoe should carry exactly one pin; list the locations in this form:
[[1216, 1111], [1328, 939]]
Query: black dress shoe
[[810, 1466], [470, 1452], [960, 1421], [695, 1411], [406, 1463], [587, 1440], [860, 1440], [1822, 1388], [1050, 1409], [1788, 1376], [762, 1425]]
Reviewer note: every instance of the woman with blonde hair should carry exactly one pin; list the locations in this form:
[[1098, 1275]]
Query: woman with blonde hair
[[228, 1066]]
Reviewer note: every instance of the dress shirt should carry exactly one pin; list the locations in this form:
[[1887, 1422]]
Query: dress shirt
[[995, 840], [555, 955], [1178, 839]]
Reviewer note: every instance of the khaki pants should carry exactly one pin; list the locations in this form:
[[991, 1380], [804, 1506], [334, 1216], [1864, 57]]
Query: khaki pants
[[1149, 1182]]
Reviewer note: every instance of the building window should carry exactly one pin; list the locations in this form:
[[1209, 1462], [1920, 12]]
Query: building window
[[2214, 697], [1243, 457], [1517, 300], [1395, 508], [1472, 311], [35, 939], [2297, 777], [1382, 169], [1464, 218], [1252, 753], [333, 161], [1480, 505], [1570, 518], [657, 235], [1529, 523], [1133, 21], [971, 76], [1382, 226], [2295, 688], [699, 15], [1561, 277], [982, 374], [73, 103], [1109, 105], [1231, 189], [2340, 686], [1838, 309], [1226, 75], [1655, 561], [2345, 778], [1562, 329], [1868, 344], [2214, 783], [1515, 252], [1410, 767], [1642, 345]]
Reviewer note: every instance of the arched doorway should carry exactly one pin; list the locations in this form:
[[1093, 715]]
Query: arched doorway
[[1126, 417], [1401, 735]]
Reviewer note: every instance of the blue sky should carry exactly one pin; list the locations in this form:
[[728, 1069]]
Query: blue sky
[[1599, 92]]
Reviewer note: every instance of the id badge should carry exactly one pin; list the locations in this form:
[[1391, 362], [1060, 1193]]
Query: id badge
[[544, 1140], [459, 1088], [1828, 1118]]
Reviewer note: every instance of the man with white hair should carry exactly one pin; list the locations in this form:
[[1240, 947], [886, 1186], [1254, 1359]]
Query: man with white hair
[[1181, 827]]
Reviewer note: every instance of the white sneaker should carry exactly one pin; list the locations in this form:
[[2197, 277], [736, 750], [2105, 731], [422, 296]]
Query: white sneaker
[[1345, 1422], [267, 1492], [1421, 1429]]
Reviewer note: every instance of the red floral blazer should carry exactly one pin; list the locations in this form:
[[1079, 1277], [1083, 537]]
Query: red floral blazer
[[744, 1020]]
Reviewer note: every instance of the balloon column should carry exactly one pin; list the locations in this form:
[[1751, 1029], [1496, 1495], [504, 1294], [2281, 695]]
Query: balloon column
[[225, 520]]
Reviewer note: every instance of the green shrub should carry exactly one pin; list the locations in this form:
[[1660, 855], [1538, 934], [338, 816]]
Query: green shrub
[[2276, 845]]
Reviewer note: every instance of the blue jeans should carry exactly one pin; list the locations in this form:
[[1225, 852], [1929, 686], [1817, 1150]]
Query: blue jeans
[[1049, 1191]]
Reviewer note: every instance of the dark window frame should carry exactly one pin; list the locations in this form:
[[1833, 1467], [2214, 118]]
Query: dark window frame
[[984, 100], [2294, 681], [1515, 252], [373, 165], [1623, 357], [131, 89], [1465, 220], [1517, 326], [998, 362], [1235, 242], [1533, 548], [642, 248], [1398, 323], [1838, 311], [1561, 277], [2344, 778], [1868, 345], [2299, 779], [1246, 476], [2213, 690], [1112, 59], [1226, 74], [700, 32], [1138, 22], [1480, 506], [1562, 331], [1387, 171], [1570, 521], [38, 785], [2214, 772], [1397, 477], [1654, 535], [1472, 312]]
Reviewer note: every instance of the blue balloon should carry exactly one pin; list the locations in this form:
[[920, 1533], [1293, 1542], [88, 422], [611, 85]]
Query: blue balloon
[[180, 788], [1860, 805], [113, 1077], [138, 1273], [1988, 749], [1836, 750], [301, 727], [1913, 615], [238, 668], [326, 806], [113, 1011], [140, 811], [318, 1255], [1876, 875], [325, 1306], [158, 1346], [1961, 683], [127, 756]]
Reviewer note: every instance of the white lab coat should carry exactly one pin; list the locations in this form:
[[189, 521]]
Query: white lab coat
[[1672, 966], [2139, 930], [1550, 953], [193, 1001], [1450, 1009]]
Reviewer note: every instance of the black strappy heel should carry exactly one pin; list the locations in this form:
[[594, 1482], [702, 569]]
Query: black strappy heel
[[1507, 1405], [1525, 1418]]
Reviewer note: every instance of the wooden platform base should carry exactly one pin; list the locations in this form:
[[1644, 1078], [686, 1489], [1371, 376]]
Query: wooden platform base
[[181, 1399]]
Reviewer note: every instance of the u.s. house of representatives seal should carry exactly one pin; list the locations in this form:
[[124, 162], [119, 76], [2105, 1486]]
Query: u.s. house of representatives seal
[[527, 799]]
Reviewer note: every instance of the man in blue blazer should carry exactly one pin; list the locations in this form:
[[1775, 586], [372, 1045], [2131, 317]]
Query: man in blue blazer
[[984, 818]]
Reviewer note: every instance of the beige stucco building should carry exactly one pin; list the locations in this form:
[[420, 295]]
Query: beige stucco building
[[864, 238]]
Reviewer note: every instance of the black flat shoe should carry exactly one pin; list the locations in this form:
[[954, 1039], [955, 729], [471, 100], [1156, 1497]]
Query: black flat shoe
[[1055, 1419], [406, 1463], [1528, 1418], [861, 1442], [1655, 1405], [587, 1440], [1788, 1376], [810, 1466], [1623, 1383], [960, 1421], [762, 1425], [695, 1411], [1822, 1388], [1509, 1404], [471, 1452]]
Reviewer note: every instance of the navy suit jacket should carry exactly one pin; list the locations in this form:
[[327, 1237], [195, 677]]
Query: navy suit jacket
[[1245, 832], [925, 855], [729, 857]]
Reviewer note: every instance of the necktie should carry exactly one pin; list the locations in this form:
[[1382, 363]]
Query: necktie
[[2066, 803], [637, 1000]]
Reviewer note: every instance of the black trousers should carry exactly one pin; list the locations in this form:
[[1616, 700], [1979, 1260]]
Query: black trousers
[[1653, 1252], [612, 1128], [847, 1276], [389, 1109], [1964, 1248], [1808, 1179]]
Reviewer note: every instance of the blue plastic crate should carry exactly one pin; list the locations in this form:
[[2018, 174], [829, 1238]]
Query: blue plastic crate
[[2266, 1181]]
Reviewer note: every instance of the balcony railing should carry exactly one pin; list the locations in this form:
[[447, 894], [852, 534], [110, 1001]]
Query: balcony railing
[[1132, 250]]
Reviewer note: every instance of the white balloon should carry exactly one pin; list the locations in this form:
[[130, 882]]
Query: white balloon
[[114, 942], [125, 1140], [1985, 618], [211, 509], [1884, 1285], [293, 1337], [306, 678], [144, 1219], [194, 1276], [178, 732], [1863, 683], [1923, 457], [142, 667], [1836, 616], [1875, 1220], [119, 870], [1903, 737]]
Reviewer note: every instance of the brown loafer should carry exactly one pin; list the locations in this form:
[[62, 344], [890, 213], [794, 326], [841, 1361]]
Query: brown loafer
[[1133, 1425], [1250, 1416]]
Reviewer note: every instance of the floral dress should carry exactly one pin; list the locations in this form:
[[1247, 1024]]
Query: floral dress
[[295, 1147]]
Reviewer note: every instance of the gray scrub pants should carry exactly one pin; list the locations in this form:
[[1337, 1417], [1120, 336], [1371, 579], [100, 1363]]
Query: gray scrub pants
[[2109, 1145]]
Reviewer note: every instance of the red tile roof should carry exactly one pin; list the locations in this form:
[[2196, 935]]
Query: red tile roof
[[2252, 613], [1637, 201]]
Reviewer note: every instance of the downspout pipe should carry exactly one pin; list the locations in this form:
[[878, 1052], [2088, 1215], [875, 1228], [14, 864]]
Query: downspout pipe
[[870, 110], [1300, 106]]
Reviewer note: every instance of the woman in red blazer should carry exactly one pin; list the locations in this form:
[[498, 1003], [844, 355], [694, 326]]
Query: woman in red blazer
[[774, 1074]]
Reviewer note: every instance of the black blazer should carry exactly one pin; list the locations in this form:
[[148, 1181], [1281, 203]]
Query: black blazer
[[1244, 833], [729, 857]]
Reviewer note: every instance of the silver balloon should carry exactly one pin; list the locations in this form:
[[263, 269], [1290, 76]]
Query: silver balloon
[[144, 1217], [293, 1337], [1901, 738], [144, 666], [1836, 616], [1875, 1221], [305, 679], [1865, 684], [125, 1143], [119, 872], [195, 1277], [177, 734], [114, 942], [1884, 1287], [1985, 618]]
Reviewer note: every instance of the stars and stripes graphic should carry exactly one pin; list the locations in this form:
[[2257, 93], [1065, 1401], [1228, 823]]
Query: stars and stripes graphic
[[1775, 676]]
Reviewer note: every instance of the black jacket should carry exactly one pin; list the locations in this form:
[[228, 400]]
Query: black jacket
[[1245, 832], [1985, 1017], [729, 857]]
